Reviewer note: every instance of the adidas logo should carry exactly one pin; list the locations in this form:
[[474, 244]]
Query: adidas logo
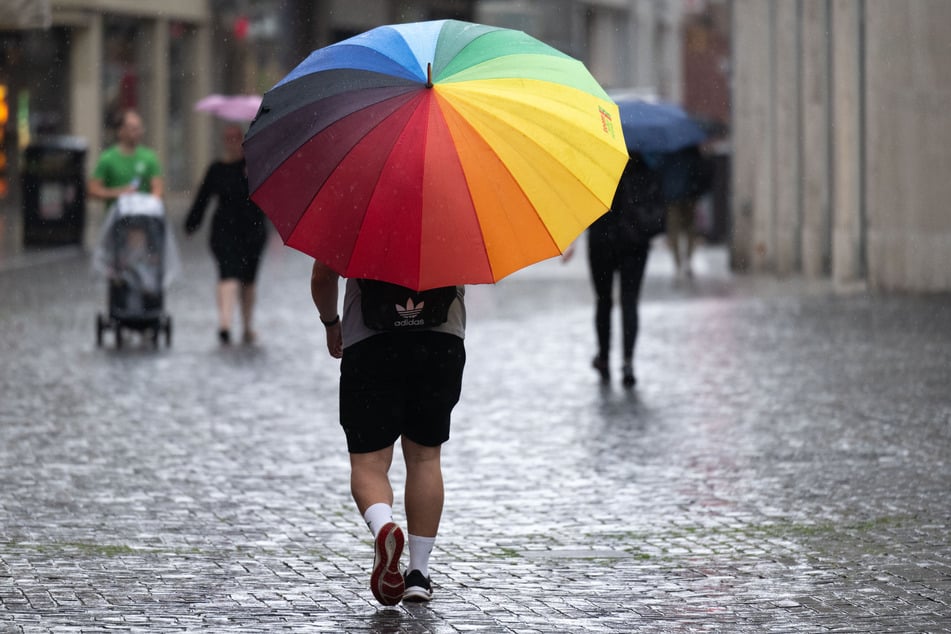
[[410, 311]]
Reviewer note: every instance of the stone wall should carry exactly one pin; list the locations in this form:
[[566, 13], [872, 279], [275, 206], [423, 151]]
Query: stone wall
[[842, 143]]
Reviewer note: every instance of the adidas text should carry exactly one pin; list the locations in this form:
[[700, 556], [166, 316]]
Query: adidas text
[[403, 323]]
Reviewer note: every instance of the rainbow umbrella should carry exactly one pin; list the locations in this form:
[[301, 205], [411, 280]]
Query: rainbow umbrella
[[435, 153]]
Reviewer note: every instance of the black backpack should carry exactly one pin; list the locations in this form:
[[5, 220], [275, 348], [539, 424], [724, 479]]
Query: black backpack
[[392, 307]]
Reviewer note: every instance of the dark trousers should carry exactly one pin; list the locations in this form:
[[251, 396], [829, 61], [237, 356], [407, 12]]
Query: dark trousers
[[605, 260]]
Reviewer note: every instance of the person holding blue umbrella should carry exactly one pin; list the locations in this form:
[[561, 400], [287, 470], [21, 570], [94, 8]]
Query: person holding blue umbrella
[[683, 180], [618, 248], [669, 140]]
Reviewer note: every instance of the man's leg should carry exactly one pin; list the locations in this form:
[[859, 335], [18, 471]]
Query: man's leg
[[370, 486], [424, 488], [674, 228], [424, 503], [689, 210], [369, 478]]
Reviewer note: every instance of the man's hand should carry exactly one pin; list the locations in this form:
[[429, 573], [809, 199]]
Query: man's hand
[[335, 341]]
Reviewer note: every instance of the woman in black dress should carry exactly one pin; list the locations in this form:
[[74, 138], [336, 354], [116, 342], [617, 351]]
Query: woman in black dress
[[238, 233], [618, 246]]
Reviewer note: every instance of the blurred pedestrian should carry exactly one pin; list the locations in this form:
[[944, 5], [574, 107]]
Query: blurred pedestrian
[[127, 166], [618, 244], [238, 234], [394, 386], [684, 178]]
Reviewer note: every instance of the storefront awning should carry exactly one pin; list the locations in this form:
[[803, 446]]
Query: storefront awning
[[25, 14]]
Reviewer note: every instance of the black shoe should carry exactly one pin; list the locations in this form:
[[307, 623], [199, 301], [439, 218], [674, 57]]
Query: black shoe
[[224, 336], [601, 365], [419, 589], [628, 379]]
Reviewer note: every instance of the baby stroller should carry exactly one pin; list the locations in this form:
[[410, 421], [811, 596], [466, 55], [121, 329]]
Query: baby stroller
[[137, 257]]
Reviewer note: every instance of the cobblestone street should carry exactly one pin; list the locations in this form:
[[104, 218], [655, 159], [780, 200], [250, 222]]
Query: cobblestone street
[[783, 465]]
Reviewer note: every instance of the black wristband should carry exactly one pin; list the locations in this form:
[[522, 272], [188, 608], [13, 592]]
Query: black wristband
[[332, 322]]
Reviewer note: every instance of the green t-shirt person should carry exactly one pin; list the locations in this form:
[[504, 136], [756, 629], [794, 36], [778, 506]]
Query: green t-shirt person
[[117, 169], [127, 166]]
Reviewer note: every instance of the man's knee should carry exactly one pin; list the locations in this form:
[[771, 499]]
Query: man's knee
[[413, 452], [372, 461]]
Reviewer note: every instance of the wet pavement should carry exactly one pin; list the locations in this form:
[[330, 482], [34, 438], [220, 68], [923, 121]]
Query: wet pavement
[[783, 465]]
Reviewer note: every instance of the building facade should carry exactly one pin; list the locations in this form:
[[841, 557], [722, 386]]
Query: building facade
[[841, 141], [68, 66], [93, 58], [74, 64], [627, 44]]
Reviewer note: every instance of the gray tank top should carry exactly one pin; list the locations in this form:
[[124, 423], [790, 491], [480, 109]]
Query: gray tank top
[[354, 330]]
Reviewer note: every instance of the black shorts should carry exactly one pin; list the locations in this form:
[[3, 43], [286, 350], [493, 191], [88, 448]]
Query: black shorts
[[395, 384]]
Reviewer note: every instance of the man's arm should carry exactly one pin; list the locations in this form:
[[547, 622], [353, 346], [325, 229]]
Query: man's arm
[[96, 189], [323, 290], [157, 186]]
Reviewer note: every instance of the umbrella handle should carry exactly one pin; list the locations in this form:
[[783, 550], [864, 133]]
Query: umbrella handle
[[429, 75]]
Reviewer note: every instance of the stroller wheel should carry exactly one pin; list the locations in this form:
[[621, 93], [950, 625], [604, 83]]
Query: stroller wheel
[[153, 335], [118, 336]]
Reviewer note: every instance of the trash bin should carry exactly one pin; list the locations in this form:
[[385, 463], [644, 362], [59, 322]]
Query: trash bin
[[54, 191]]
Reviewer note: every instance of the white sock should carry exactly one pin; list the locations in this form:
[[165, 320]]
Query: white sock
[[419, 550], [377, 516]]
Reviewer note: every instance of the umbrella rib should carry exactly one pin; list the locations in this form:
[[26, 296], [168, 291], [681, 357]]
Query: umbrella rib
[[310, 201], [363, 220], [516, 182], [508, 123], [342, 159]]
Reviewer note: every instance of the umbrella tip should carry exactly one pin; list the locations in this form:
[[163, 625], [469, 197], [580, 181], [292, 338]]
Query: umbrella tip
[[429, 75]]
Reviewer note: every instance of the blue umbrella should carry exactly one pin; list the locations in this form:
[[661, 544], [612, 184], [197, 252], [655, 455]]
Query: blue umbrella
[[657, 127]]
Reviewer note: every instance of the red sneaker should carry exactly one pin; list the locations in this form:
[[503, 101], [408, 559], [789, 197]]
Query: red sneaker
[[386, 581]]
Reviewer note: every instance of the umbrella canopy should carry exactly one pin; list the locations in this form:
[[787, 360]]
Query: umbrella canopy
[[656, 127], [231, 107], [435, 153]]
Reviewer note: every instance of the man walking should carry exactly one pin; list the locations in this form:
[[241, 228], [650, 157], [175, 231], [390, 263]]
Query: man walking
[[684, 178], [394, 385], [127, 166]]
